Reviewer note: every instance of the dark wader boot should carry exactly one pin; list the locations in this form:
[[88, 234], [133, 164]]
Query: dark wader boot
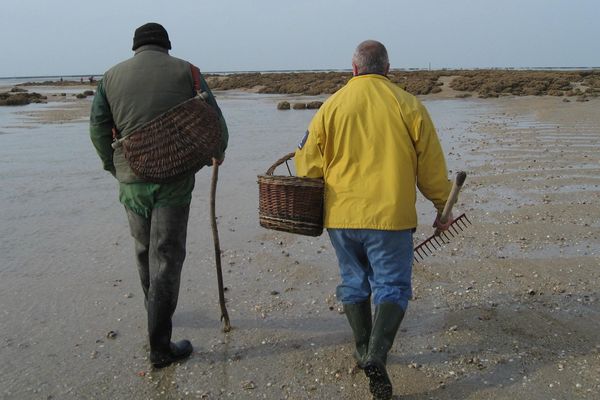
[[386, 322], [359, 317], [140, 231], [164, 254]]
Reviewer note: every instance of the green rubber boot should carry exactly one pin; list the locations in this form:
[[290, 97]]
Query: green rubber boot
[[386, 322], [359, 317]]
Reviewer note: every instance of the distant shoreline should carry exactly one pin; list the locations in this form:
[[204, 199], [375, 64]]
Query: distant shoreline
[[447, 83], [582, 83], [300, 71]]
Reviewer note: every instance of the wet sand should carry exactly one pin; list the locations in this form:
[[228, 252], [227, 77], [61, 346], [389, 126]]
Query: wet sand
[[508, 309]]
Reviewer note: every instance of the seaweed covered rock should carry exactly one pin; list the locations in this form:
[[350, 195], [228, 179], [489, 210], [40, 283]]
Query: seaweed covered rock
[[85, 94], [314, 105], [526, 83], [283, 105], [20, 98], [299, 106]]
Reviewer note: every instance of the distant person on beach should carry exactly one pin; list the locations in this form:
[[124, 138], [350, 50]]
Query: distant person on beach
[[374, 144], [130, 94]]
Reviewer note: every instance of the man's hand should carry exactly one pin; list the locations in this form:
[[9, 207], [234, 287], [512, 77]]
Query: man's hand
[[437, 224], [218, 161]]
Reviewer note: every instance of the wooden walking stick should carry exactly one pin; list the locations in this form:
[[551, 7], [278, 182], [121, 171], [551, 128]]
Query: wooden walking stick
[[215, 232]]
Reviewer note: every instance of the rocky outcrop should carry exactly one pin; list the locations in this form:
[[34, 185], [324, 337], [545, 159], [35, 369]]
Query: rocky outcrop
[[20, 98], [283, 105], [299, 106], [312, 105], [482, 83]]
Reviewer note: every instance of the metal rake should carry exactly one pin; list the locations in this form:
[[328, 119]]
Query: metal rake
[[436, 241], [440, 238]]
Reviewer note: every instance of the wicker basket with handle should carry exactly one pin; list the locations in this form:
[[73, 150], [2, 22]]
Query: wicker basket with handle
[[290, 203], [178, 142]]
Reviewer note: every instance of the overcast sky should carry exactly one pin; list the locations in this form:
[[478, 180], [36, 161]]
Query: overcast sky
[[68, 37]]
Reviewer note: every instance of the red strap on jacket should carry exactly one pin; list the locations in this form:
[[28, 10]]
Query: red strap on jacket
[[196, 76]]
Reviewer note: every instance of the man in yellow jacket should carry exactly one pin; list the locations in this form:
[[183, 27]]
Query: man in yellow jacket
[[374, 144]]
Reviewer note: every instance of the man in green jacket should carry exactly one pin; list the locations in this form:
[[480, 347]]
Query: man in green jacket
[[132, 93]]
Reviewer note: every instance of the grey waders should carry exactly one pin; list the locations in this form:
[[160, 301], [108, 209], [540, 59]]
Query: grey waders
[[160, 252], [386, 322]]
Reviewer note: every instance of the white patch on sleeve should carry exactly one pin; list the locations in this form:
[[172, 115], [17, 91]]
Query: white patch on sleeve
[[303, 141]]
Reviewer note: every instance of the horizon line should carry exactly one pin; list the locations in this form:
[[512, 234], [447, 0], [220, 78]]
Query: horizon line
[[581, 68]]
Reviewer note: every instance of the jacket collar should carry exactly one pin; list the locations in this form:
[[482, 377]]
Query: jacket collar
[[376, 76], [151, 47]]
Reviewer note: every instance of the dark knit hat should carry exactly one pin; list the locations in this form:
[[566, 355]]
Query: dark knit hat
[[151, 33]]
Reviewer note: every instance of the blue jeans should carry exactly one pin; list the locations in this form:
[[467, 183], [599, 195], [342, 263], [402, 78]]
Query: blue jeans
[[374, 263]]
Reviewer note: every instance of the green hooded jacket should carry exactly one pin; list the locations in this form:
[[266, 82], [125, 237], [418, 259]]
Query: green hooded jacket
[[129, 95]]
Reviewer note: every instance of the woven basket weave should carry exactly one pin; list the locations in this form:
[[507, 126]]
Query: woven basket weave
[[289, 203], [178, 142]]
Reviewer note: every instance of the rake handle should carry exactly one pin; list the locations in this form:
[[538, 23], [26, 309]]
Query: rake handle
[[456, 186]]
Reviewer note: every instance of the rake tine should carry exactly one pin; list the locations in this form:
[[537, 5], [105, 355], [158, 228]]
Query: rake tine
[[426, 250], [461, 224], [448, 231], [437, 241], [465, 215], [417, 256], [418, 251], [427, 245], [454, 229], [445, 236]]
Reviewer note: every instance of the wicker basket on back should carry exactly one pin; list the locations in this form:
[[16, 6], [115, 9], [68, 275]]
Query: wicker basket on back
[[289, 203], [178, 142]]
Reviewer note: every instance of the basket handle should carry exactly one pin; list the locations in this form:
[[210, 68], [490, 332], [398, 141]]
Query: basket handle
[[283, 159]]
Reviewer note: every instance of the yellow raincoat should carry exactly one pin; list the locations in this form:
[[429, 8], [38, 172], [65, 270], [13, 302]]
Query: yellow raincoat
[[373, 143]]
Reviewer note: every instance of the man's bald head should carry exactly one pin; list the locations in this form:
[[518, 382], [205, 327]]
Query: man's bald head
[[370, 57]]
